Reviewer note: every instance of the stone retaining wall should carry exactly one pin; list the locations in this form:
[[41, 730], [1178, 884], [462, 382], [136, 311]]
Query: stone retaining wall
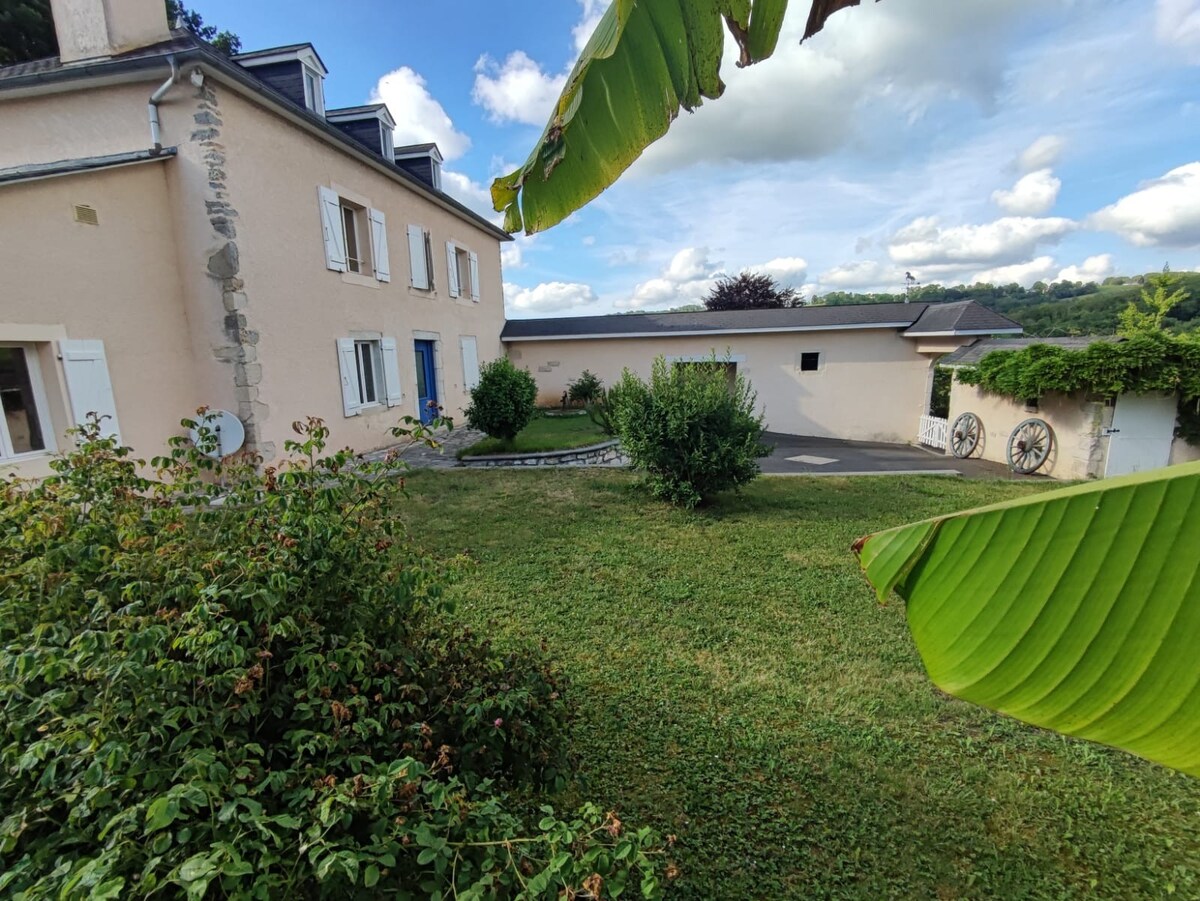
[[607, 453]]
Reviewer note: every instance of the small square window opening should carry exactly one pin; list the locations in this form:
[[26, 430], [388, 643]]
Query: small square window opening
[[810, 362]]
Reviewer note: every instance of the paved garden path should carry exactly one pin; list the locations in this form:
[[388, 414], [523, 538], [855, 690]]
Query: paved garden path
[[442, 457]]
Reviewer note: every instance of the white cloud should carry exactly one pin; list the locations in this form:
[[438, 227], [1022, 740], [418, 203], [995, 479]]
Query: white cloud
[[517, 90], [1162, 211], [790, 272], [1032, 195], [807, 101], [863, 275], [1177, 24], [548, 297], [592, 11], [419, 117], [1041, 154], [588, 240], [468, 192], [688, 278], [1093, 269], [1002, 242], [1024, 274]]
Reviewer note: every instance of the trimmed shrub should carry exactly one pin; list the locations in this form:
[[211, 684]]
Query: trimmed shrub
[[693, 429], [503, 402], [585, 389], [261, 698]]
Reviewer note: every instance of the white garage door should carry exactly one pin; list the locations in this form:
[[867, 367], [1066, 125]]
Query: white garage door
[[1142, 430]]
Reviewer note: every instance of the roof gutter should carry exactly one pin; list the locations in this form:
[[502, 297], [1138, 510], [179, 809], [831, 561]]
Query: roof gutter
[[699, 333]]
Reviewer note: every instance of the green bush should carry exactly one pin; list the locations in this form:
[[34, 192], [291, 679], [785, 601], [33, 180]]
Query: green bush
[[693, 429], [503, 402], [585, 389], [261, 697]]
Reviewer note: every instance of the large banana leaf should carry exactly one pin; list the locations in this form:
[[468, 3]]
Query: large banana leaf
[[646, 61], [1076, 610]]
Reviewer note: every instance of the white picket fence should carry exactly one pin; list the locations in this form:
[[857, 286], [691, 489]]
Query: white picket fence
[[934, 432]]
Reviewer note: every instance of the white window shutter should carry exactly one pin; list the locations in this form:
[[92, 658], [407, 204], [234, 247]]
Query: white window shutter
[[86, 369], [452, 268], [416, 257], [475, 277], [379, 248], [391, 371], [470, 355], [331, 226], [349, 371]]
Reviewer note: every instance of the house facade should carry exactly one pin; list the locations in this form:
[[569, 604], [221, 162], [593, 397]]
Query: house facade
[[178, 228], [855, 372]]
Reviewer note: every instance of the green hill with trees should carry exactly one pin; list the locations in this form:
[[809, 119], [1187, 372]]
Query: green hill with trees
[[1051, 310]]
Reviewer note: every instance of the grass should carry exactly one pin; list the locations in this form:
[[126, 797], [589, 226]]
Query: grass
[[545, 433], [738, 686]]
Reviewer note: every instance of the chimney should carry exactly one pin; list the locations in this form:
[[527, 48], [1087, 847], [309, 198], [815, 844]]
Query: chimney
[[94, 29]]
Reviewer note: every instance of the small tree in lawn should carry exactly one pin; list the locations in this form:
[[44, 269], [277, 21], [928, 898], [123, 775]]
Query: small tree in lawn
[[751, 291], [692, 429], [503, 402]]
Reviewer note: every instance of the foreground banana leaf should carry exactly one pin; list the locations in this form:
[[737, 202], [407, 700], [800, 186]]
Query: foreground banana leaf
[[646, 61], [1076, 610]]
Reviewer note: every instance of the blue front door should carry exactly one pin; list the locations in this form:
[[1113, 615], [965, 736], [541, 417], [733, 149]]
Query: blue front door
[[427, 398]]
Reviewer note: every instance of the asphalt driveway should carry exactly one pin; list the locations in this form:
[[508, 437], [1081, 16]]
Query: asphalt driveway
[[794, 455]]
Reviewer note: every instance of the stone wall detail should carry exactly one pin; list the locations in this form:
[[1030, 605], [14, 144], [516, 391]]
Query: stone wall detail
[[239, 349], [607, 453]]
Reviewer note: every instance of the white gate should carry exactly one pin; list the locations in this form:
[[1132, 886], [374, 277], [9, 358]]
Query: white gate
[[934, 431], [1141, 434]]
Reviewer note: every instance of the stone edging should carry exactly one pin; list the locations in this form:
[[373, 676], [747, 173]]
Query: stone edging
[[607, 453]]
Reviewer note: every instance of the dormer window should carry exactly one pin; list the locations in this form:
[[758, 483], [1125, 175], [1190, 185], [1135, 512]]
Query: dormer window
[[389, 149], [314, 97], [294, 71], [423, 161], [370, 125]]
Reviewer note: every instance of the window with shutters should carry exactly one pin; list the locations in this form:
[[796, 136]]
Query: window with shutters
[[368, 357], [462, 266], [25, 426], [355, 236], [420, 258]]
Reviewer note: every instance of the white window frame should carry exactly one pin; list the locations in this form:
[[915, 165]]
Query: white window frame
[[386, 142], [373, 347], [314, 93], [364, 264], [41, 408]]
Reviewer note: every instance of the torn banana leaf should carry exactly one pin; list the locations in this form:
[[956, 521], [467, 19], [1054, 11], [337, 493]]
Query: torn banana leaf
[[1077, 610], [647, 60]]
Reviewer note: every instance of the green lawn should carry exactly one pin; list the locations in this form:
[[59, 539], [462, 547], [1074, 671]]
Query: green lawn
[[545, 433], [739, 686]]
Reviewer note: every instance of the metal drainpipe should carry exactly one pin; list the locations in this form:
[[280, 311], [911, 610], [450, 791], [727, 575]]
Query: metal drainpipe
[[155, 99]]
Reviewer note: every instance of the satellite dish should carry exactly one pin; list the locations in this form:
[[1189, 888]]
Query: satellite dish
[[230, 432]]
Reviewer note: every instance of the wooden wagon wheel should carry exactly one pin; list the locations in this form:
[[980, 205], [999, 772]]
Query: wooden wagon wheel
[[1029, 446], [965, 435]]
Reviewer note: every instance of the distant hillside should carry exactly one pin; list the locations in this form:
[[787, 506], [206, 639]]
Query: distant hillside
[[1064, 308]]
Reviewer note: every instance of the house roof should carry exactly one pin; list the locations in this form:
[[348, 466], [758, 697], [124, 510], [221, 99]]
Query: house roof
[[15, 174], [973, 353], [267, 52], [187, 49], [962, 317], [801, 319]]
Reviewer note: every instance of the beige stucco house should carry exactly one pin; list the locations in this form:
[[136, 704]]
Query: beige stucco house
[[179, 228], [858, 372]]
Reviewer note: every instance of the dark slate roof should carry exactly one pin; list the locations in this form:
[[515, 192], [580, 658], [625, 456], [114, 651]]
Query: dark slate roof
[[356, 110], [416, 148], [818, 317], [14, 174], [962, 316], [271, 51], [973, 353], [190, 50]]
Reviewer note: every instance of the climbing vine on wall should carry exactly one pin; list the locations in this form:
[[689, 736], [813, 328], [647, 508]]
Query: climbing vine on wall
[[1156, 362]]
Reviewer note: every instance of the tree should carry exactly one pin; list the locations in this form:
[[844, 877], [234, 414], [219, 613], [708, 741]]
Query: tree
[[1138, 321], [222, 40], [751, 291], [26, 31]]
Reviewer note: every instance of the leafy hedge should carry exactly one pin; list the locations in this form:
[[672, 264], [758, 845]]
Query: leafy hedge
[[226, 683], [504, 401], [1153, 362]]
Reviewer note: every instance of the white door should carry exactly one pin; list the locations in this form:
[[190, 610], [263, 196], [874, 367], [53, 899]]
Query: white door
[[1141, 434]]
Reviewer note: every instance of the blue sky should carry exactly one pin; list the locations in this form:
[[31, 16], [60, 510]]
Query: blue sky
[[962, 140]]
